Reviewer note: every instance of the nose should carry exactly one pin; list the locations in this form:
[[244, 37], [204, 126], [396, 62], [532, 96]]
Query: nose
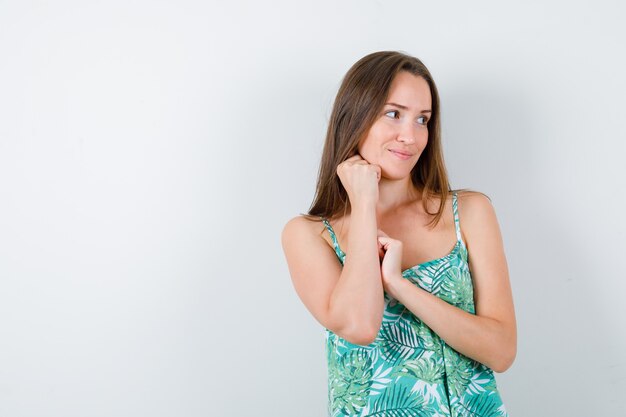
[[407, 133]]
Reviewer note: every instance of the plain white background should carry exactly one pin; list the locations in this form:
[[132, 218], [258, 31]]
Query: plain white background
[[151, 152]]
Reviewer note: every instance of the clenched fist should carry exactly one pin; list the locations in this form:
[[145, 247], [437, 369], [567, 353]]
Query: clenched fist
[[360, 179]]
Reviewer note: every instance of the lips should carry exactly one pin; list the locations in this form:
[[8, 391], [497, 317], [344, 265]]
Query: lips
[[401, 154]]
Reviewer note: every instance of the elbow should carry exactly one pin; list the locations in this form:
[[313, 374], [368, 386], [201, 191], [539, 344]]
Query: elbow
[[504, 357], [358, 328], [362, 338], [360, 334], [505, 360]]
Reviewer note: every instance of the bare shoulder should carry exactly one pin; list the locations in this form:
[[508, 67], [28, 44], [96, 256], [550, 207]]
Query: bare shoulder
[[301, 228], [473, 200], [474, 205], [477, 214], [304, 243]]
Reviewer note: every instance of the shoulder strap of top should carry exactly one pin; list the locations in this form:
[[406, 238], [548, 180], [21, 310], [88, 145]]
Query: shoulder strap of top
[[457, 224], [340, 254]]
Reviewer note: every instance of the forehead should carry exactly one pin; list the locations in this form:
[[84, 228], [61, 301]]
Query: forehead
[[410, 90]]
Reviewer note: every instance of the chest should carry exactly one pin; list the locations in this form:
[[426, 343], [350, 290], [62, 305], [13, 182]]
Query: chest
[[420, 242]]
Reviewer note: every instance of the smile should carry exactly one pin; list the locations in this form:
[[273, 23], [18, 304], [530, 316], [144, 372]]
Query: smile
[[401, 155]]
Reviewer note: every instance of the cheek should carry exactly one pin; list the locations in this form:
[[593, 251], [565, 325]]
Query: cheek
[[366, 153], [365, 146], [423, 140]]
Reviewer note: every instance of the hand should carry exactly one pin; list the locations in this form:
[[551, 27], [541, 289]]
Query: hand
[[391, 266], [381, 250], [360, 179]]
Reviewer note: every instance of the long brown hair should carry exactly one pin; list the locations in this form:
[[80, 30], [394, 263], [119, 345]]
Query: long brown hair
[[360, 99]]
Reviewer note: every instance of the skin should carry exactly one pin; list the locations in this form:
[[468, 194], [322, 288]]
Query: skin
[[386, 232]]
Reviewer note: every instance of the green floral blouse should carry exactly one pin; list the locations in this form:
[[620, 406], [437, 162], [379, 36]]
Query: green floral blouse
[[409, 370]]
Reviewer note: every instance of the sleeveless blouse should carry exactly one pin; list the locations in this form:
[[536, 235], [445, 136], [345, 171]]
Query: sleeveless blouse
[[409, 370]]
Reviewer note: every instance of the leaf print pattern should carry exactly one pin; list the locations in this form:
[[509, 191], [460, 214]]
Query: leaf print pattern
[[459, 371], [396, 401], [351, 377], [409, 370], [398, 342], [425, 368]]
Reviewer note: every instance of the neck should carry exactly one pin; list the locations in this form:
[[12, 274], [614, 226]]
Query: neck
[[393, 194]]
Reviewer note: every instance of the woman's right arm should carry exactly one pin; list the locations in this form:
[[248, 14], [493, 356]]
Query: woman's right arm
[[348, 301]]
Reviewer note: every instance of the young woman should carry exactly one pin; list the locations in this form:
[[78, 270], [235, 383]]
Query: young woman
[[408, 277]]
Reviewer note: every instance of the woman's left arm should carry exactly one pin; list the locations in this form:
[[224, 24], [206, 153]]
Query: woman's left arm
[[489, 336]]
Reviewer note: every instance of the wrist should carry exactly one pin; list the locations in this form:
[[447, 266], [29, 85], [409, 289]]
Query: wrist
[[397, 286], [366, 207]]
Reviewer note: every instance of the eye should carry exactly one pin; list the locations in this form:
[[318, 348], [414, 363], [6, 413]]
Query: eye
[[422, 120], [395, 114]]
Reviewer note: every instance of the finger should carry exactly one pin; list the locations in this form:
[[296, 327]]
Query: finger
[[363, 158], [356, 157], [387, 241], [352, 161], [381, 233], [378, 171]]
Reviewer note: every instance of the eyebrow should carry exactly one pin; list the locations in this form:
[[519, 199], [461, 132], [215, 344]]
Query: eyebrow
[[405, 107]]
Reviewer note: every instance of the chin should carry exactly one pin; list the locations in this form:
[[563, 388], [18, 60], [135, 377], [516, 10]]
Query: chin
[[395, 175]]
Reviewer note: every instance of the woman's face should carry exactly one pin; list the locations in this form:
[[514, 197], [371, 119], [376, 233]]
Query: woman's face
[[400, 133]]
